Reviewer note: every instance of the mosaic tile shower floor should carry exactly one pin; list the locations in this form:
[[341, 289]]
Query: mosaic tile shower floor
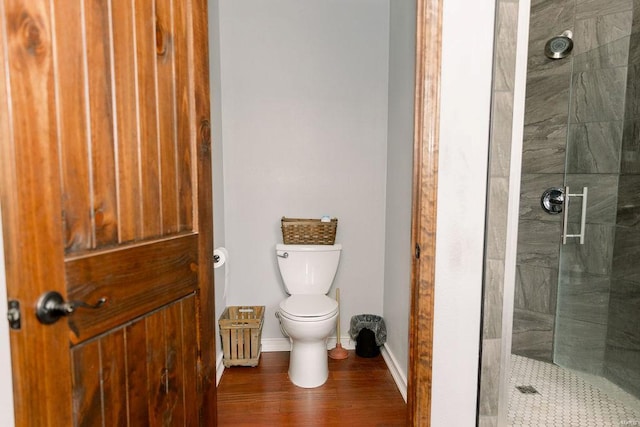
[[566, 399]]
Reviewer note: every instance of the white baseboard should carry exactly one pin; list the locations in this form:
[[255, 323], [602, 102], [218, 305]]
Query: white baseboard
[[275, 344], [396, 373], [283, 344], [219, 367]]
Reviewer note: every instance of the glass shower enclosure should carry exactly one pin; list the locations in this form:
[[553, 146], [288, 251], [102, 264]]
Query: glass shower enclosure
[[577, 301]]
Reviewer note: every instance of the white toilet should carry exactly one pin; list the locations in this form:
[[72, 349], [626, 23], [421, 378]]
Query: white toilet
[[308, 315]]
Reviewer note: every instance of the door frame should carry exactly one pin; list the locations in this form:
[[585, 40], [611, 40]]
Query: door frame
[[424, 206]]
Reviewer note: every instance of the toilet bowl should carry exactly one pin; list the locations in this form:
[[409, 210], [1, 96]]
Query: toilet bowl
[[308, 315], [308, 364]]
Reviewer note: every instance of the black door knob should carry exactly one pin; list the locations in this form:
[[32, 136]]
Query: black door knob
[[51, 307]]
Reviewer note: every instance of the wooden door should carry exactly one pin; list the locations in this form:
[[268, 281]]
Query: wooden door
[[106, 194]]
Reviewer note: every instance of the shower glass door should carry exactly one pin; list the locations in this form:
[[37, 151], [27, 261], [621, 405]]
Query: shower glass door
[[597, 325]]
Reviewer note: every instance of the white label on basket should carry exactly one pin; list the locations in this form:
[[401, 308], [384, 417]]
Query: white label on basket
[[246, 310]]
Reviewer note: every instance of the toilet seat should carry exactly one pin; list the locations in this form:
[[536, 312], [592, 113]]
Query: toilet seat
[[308, 308]]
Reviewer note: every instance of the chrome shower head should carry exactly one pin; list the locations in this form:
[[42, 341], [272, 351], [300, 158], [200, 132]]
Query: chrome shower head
[[559, 46]]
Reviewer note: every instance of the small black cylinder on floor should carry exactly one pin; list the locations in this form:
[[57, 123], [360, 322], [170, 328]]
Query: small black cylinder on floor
[[369, 332], [366, 344]]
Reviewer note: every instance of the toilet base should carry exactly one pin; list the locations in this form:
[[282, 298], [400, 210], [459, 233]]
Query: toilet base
[[308, 360], [308, 364]]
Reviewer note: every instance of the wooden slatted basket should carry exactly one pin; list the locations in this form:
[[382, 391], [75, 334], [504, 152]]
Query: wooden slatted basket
[[241, 333], [299, 231]]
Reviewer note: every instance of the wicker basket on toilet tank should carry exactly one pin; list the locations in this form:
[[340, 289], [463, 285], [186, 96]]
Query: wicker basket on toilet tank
[[300, 231]]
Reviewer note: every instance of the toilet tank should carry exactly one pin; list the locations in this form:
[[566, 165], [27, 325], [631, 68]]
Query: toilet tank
[[308, 269]]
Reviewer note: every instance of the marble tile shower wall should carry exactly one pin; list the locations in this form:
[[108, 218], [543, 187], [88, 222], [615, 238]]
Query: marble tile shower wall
[[575, 109], [544, 146], [499, 167]]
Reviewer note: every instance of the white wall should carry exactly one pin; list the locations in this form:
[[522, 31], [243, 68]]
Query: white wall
[[464, 135], [304, 127], [217, 161], [398, 253], [6, 390]]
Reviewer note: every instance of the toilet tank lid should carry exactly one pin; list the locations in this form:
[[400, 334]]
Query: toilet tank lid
[[309, 305], [308, 248]]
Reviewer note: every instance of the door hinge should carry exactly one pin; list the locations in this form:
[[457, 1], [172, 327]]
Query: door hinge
[[417, 251], [13, 314]]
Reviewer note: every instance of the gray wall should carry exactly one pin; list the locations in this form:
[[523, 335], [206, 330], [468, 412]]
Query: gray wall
[[304, 127], [397, 265], [545, 130]]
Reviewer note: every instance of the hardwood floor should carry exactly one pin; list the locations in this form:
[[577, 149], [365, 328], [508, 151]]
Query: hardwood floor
[[359, 392]]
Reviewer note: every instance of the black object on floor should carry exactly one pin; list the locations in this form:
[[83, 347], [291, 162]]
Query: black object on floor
[[366, 344], [527, 389]]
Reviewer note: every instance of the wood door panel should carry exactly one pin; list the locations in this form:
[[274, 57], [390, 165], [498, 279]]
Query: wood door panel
[[104, 207], [184, 130], [113, 378], [184, 341], [72, 126], [149, 275], [146, 78], [136, 372], [166, 115], [85, 115], [87, 399], [149, 385], [127, 175], [157, 372], [124, 69]]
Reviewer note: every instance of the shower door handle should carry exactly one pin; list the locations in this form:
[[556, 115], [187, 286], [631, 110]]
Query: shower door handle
[[552, 200], [583, 216]]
